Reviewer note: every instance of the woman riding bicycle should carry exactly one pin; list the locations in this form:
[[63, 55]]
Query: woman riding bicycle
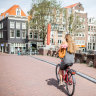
[[68, 59]]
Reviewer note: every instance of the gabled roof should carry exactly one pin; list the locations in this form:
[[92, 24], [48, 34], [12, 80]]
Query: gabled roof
[[12, 11], [70, 6]]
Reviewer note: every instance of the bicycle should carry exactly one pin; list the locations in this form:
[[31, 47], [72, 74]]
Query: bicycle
[[68, 79]]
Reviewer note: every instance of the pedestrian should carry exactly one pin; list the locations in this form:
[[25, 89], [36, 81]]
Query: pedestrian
[[18, 51]]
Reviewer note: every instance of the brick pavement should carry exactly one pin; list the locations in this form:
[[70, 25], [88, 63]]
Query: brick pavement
[[26, 76], [83, 68]]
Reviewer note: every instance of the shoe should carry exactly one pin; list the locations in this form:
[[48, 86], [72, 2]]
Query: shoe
[[63, 82], [60, 83]]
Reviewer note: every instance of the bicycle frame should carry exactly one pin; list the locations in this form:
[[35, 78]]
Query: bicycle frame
[[65, 76]]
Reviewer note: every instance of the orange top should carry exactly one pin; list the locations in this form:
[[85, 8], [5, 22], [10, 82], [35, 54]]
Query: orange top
[[12, 11]]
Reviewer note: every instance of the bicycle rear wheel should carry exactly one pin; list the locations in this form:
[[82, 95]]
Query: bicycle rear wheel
[[57, 72], [70, 85]]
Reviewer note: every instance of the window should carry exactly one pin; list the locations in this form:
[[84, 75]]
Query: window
[[90, 20], [35, 35], [18, 33], [60, 34], [57, 12], [17, 25], [30, 35], [69, 10], [56, 26], [90, 45], [0, 26], [88, 28], [52, 41], [92, 28], [83, 35], [52, 33], [23, 25], [83, 26], [1, 34], [12, 24], [40, 36], [12, 34], [24, 34], [79, 34], [59, 41], [93, 46], [18, 11]]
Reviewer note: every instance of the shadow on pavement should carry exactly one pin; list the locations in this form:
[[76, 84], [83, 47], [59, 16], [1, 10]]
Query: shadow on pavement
[[53, 82]]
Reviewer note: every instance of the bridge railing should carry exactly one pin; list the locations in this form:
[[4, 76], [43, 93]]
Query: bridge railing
[[89, 59]]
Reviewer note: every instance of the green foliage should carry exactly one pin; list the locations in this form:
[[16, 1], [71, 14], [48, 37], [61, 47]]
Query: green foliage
[[41, 13], [74, 23]]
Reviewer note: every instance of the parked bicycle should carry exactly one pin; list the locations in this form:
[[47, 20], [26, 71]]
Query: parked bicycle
[[68, 79]]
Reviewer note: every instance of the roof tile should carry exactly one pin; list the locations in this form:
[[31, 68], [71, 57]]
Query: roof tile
[[70, 6], [12, 11]]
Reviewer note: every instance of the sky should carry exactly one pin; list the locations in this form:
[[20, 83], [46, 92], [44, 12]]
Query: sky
[[89, 5]]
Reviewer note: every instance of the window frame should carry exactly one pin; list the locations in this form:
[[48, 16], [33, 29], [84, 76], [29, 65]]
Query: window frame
[[23, 32], [10, 33], [16, 33]]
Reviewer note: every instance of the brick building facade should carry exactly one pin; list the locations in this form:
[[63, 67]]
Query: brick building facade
[[81, 32], [13, 30], [91, 43]]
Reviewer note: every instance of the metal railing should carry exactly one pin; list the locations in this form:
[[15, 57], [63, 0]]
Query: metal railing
[[78, 73]]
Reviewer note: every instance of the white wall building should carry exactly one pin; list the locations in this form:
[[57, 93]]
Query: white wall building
[[91, 44]]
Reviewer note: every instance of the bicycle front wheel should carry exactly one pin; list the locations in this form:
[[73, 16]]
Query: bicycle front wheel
[[70, 85], [57, 72]]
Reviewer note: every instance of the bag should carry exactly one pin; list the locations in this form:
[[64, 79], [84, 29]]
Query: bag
[[68, 58], [62, 52]]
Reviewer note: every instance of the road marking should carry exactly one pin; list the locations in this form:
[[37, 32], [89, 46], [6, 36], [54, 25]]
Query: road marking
[[78, 73]]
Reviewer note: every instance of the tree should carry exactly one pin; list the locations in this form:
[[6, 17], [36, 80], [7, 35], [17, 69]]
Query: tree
[[41, 14], [74, 24]]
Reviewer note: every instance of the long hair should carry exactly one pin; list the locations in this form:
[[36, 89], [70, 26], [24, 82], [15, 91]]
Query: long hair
[[71, 45]]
